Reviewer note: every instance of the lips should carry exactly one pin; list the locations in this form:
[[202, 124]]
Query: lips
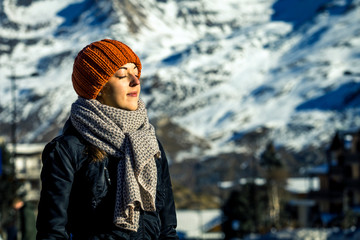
[[132, 94]]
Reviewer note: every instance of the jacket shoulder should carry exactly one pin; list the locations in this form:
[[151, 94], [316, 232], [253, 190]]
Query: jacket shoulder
[[68, 146]]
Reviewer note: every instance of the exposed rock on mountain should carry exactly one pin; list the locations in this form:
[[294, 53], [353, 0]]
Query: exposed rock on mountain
[[216, 71]]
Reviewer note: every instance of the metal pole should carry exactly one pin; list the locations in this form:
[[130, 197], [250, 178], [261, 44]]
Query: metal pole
[[13, 124]]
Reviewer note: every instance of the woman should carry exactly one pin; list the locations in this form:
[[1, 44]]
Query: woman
[[106, 176]]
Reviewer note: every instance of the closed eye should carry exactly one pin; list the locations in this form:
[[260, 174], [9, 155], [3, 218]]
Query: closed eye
[[120, 77]]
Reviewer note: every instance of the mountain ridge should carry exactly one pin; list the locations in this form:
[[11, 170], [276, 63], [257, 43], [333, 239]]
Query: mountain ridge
[[218, 70]]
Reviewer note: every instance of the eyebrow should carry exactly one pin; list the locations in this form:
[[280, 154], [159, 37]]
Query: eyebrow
[[127, 68]]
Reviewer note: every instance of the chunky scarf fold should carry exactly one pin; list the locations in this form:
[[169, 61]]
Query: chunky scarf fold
[[127, 135]]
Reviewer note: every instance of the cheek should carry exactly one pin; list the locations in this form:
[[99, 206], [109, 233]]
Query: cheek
[[119, 91]]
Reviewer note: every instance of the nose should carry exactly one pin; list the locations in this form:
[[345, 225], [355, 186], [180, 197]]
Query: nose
[[134, 80]]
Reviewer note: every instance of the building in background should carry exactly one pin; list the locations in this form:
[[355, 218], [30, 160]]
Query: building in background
[[27, 162], [338, 198], [199, 224]]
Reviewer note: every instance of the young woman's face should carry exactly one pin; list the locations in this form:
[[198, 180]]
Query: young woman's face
[[123, 88]]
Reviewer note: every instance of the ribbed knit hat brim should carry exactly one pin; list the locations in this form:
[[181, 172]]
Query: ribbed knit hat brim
[[97, 62]]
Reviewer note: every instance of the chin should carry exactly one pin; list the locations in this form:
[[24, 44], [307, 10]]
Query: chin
[[132, 107]]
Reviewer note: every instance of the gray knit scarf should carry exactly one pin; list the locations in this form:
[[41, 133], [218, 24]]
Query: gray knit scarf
[[127, 135]]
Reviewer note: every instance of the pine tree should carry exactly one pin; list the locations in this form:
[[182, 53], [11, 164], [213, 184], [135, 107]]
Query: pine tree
[[243, 211]]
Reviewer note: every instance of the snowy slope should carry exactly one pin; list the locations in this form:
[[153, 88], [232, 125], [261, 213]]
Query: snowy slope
[[219, 69]]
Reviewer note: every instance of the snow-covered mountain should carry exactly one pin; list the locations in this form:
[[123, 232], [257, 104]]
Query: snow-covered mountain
[[213, 71]]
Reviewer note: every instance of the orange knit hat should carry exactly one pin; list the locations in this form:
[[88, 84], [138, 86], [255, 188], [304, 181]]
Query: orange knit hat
[[97, 62]]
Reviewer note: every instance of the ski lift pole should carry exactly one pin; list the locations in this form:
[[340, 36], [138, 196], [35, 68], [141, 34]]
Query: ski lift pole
[[14, 115]]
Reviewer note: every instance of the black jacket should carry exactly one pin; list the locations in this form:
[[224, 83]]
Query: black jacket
[[78, 196]]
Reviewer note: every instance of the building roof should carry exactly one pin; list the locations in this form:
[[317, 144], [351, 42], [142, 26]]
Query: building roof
[[302, 185], [294, 185], [194, 224], [27, 148]]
